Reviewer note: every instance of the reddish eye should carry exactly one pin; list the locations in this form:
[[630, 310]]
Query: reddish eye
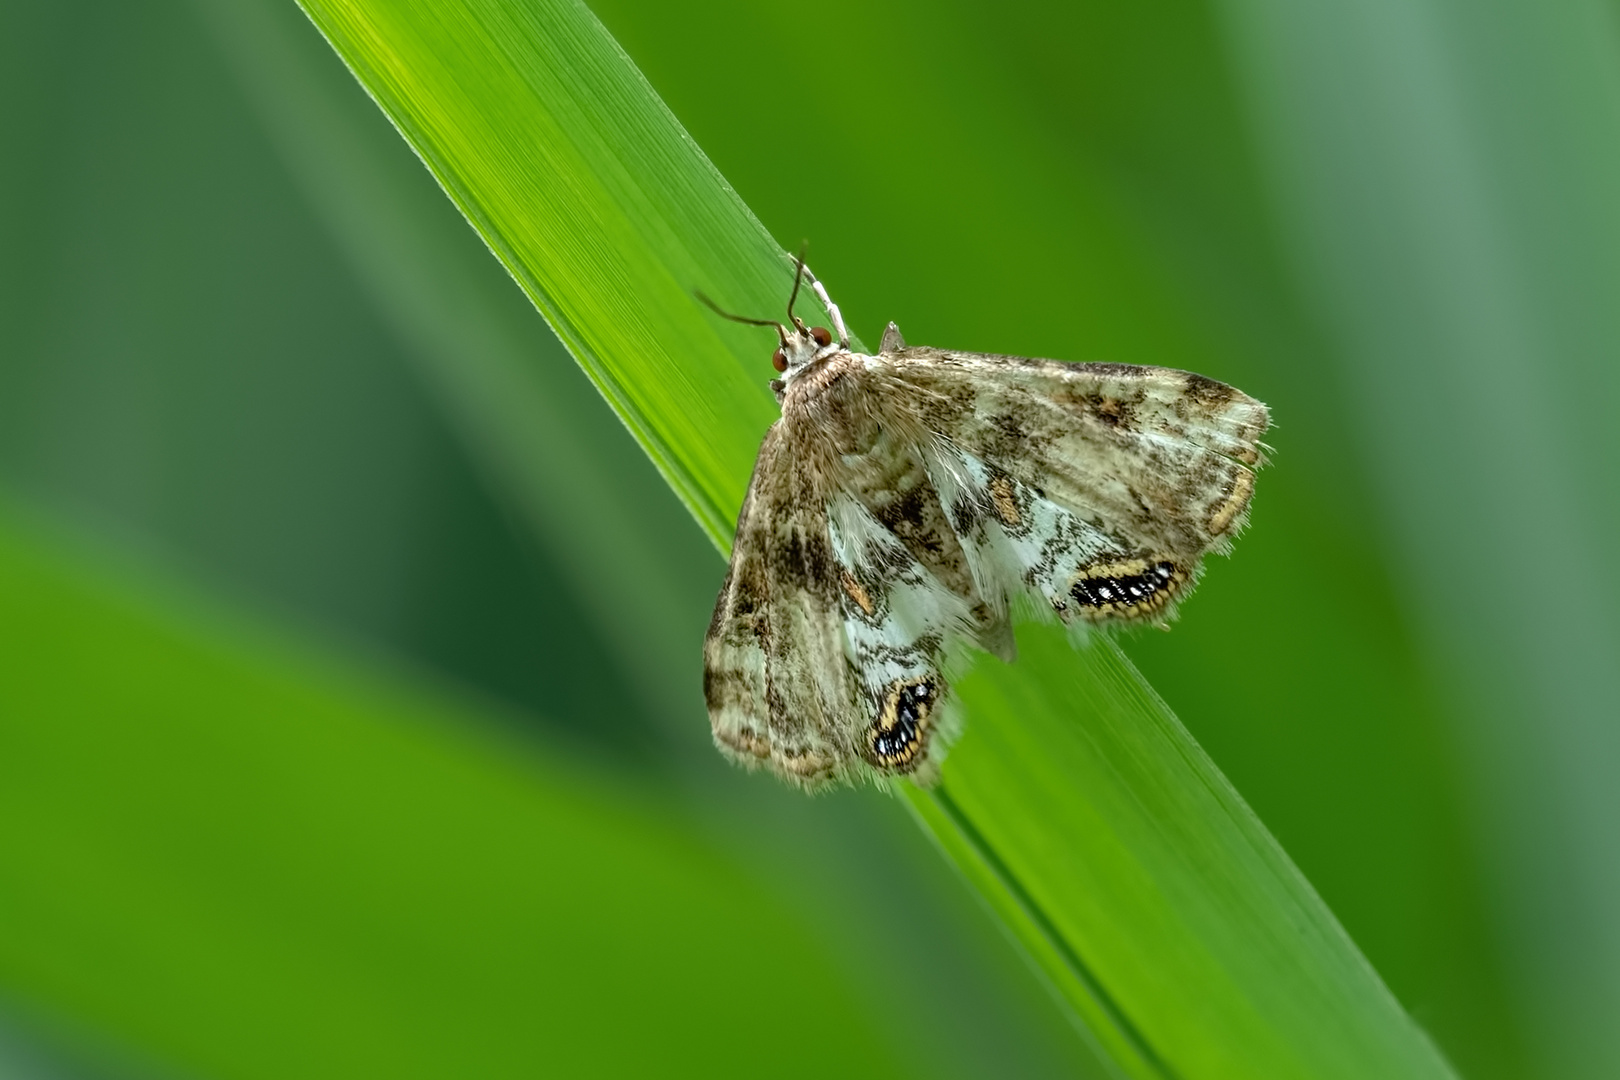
[[779, 360], [820, 334]]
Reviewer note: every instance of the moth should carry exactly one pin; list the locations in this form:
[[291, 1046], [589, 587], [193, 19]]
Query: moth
[[909, 504]]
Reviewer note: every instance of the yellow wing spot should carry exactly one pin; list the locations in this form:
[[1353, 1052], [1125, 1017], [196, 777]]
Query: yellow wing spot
[[1001, 493], [1227, 512], [857, 592]]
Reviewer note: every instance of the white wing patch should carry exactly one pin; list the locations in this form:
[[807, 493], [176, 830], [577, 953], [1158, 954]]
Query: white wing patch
[[1017, 542], [898, 622]]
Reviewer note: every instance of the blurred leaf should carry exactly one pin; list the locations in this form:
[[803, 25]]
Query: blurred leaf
[[187, 365], [1446, 176], [589, 192], [260, 864]]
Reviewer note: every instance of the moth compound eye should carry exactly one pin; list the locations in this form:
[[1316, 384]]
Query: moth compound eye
[[821, 335], [779, 360]]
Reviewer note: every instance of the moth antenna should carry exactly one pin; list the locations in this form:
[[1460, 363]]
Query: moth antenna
[[799, 270], [832, 308], [781, 331]]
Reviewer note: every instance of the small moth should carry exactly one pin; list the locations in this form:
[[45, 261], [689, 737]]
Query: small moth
[[907, 504]]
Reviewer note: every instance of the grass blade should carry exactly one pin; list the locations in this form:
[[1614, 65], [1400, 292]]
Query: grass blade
[[1166, 915]]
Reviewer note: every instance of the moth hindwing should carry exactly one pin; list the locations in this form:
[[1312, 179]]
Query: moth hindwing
[[906, 503]]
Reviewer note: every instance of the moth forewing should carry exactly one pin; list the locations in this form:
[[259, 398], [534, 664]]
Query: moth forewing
[[734, 677], [907, 503], [1161, 461]]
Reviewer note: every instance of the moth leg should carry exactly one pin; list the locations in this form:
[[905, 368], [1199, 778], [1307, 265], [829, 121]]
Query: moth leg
[[832, 308]]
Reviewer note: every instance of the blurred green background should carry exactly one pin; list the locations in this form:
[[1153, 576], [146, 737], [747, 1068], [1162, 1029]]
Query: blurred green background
[[327, 750]]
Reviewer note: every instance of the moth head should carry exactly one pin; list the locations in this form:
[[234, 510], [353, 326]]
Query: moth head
[[799, 345]]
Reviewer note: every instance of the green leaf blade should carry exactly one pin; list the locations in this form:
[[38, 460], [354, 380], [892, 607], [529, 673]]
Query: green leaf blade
[[1129, 869], [1188, 924], [528, 125]]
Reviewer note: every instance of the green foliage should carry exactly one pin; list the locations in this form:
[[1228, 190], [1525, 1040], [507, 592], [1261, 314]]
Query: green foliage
[[616, 212], [284, 367], [313, 872], [245, 409]]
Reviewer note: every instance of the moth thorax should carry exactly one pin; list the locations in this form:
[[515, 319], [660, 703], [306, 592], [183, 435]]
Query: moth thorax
[[898, 738]]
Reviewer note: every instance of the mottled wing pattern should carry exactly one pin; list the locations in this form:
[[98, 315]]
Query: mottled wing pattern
[[905, 500], [898, 620], [779, 686], [1014, 541], [1096, 487]]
